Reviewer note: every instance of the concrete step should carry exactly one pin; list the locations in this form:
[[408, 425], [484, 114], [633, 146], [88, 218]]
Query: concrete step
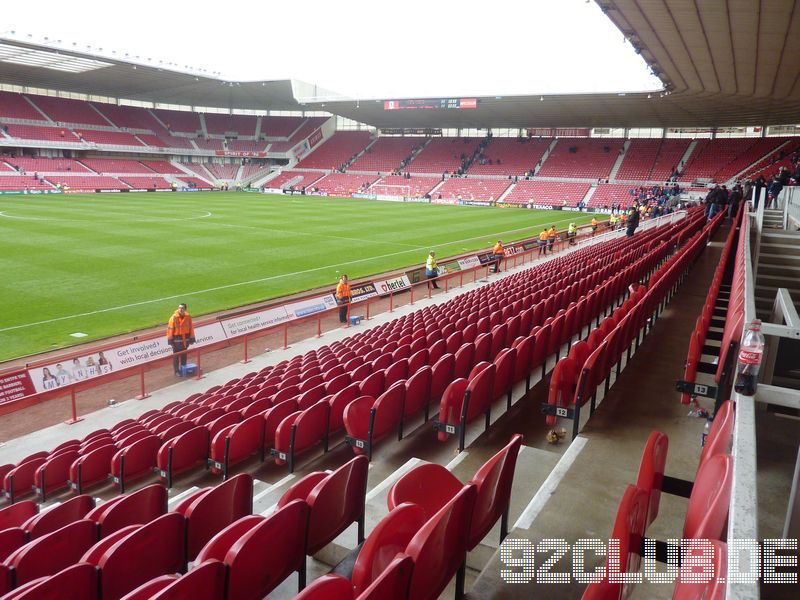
[[790, 259]]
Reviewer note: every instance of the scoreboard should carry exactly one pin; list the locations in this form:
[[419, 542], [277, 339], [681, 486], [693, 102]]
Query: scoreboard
[[430, 104]]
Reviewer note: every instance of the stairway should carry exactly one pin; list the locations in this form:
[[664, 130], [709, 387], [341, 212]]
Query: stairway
[[778, 267], [615, 169], [773, 218]]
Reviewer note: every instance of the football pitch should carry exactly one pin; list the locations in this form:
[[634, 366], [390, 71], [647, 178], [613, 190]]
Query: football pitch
[[104, 264]]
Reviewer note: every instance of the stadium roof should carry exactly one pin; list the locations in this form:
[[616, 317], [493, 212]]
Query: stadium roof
[[722, 62]]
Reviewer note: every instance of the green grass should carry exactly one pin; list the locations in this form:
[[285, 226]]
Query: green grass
[[108, 264]]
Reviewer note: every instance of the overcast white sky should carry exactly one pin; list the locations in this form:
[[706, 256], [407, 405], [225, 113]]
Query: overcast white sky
[[360, 48]]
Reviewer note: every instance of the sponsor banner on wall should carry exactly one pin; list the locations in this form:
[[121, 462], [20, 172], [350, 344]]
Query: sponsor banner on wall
[[444, 201], [477, 202], [315, 138], [469, 262], [27, 192], [542, 207], [359, 293], [486, 258], [396, 284], [312, 306], [94, 364], [255, 321], [301, 150], [14, 386], [240, 153]]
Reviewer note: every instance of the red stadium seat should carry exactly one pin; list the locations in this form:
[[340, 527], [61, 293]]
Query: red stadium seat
[[369, 421], [391, 584], [181, 453], [19, 481], [137, 508], [53, 474], [246, 547], [135, 461], [59, 516], [460, 407], [714, 587], [80, 579], [150, 551], [213, 509], [203, 582], [651, 471], [301, 431], [707, 512], [11, 539], [335, 501], [17, 514], [53, 552], [242, 441]]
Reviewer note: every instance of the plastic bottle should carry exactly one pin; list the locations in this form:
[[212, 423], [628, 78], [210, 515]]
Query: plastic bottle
[[750, 353]]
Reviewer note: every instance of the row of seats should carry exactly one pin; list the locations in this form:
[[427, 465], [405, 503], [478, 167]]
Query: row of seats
[[576, 377], [219, 425], [706, 516], [716, 297]]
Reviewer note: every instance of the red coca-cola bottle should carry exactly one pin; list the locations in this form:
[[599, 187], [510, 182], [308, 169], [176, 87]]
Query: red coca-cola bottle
[[750, 353]]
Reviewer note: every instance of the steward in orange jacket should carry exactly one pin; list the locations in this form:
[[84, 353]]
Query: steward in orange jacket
[[498, 252], [180, 335]]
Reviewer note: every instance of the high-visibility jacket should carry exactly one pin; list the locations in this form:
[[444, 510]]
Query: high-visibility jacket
[[572, 229], [343, 292], [543, 235], [552, 232], [594, 223], [430, 264], [498, 250], [180, 327]]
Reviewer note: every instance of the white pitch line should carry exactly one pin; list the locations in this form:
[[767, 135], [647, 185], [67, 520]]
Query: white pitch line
[[125, 219], [314, 235], [253, 281], [550, 484]]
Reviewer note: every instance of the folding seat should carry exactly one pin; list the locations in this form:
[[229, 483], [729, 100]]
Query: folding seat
[[335, 501], [522, 365], [391, 584], [301, 431], [153, 420], [134, 461], [206, 416], [185, 410], [203, 582], [351, 364], [122, 425], [401, 352], [273, 417], [176, 430], [68, 445], [131, 439], [369, 420], [361, 372], [461, 403], [80, 579], [137, 508], [94, 434], [19, 481], [453, 342], [53, 552], [505, 363], [332, 372], [16, 514], [53, 473], [210, 510], [707, 511], [430, 486], [541, 337], [463, 360], [513, 328], [152, 550], [483, 347], [221, 422], [58, 516], [168, 408], [438, 548], [418, 360], [395, 372], [164, 425], [651, 471], [705, 588], [91, 468], [556, 334], [234, 445], [537, 316], [290, 381], [338, 402], [310, 382], [372, 355], [374, 384], [436, 351], [441, 376], [11, 539], [499, 333], [418, 392], [127, 430], [387, 346], [247, 549]]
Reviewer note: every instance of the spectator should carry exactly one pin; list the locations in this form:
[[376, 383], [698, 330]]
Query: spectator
[[432, 269], [572, 231], [180, 335], [551, 237], [633, 221], [543, 242]]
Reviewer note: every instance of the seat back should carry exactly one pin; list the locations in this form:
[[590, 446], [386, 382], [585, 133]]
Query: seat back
[[254, 568], [480, 388], [53, 474], [651, 471], [203, 582], [19, 481], [183, 452], [450, 407], [80, 579], [464, 359], [504, 363], [493, 483], [92, 467], [214, 511], [710, 499], [11, 539], [138, 508], [59, 516], [16, 514], [135, 460], [629, 528], [155, 549], [418, 390], [53, 552], [336, 502], [441, 376], [338, 402], [439, 548], [389, 410], [374, 384], [720, 435], [709, 588], [389, 537]]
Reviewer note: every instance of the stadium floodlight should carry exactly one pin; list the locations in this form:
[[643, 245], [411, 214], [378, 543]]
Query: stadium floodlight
[[48, 60]]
